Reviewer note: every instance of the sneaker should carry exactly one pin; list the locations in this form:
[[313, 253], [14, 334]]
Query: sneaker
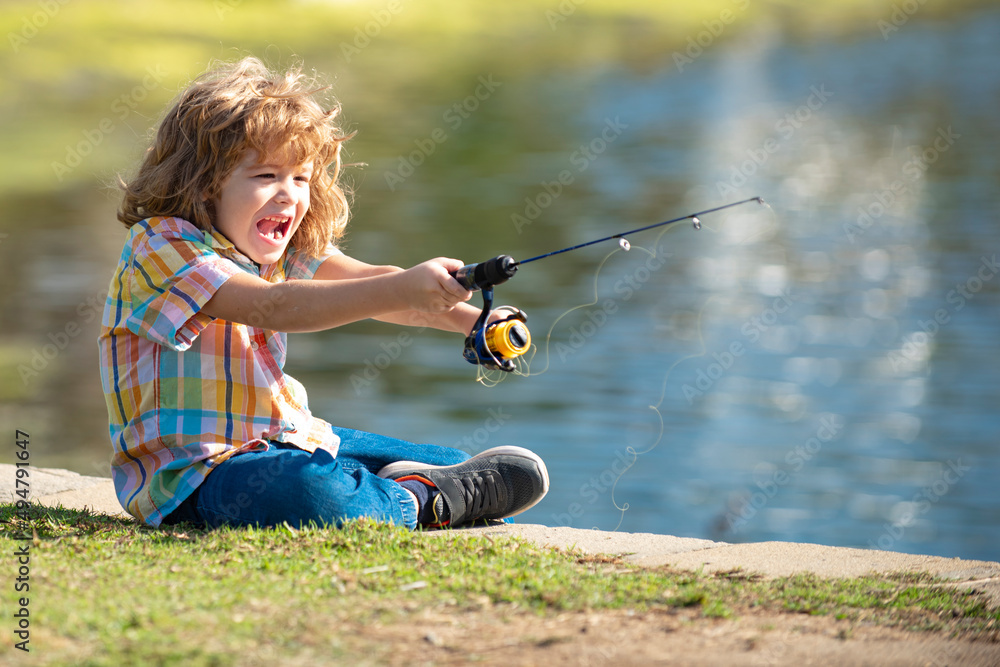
[[495, 484]]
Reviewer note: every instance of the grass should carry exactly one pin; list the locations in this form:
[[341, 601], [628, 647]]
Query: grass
[[108, 591]]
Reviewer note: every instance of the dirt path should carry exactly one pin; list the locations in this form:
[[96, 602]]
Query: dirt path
[[663, 637]]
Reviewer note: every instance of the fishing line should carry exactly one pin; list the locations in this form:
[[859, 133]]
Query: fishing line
[[597, 274], [548, 335], [659, 416], [663, 394]]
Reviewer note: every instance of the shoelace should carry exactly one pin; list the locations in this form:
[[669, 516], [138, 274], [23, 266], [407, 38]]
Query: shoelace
[[485, 494]]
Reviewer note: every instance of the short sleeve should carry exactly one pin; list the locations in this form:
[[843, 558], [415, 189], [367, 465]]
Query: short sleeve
[[173, 275], [303, 266]]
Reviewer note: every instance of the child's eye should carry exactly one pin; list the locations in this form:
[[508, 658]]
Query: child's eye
[[265, 175]]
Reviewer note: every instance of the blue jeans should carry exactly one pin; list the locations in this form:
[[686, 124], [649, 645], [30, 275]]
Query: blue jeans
[[288, 484]]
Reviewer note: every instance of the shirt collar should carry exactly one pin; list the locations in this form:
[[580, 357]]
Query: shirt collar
[[218, 242]]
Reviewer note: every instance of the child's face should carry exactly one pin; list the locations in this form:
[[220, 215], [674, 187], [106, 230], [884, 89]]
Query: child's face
[[261, 205]]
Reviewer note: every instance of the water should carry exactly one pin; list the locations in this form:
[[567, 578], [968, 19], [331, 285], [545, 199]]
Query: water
[[822, 370]]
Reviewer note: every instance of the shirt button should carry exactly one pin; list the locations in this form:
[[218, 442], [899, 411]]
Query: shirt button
[[253, 344]]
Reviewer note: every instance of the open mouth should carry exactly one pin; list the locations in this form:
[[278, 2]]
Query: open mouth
[[274, 227]]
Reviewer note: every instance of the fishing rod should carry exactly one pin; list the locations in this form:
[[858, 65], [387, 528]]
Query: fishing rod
[[497, 344]]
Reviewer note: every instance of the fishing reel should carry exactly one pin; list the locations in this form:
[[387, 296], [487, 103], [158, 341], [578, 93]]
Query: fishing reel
[[494, 345]]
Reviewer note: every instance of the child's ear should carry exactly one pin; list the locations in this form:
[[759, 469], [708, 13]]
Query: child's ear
[[206, 193]]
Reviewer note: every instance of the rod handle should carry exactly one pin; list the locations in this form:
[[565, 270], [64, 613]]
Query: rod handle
[[486, 274]]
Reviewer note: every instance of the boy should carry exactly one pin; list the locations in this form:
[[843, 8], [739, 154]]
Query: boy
[[234, 216]]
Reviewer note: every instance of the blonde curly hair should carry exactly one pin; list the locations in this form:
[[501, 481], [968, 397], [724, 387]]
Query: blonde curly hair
[[230, 110]]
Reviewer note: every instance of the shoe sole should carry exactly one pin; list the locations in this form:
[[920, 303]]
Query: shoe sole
[[504, 450]]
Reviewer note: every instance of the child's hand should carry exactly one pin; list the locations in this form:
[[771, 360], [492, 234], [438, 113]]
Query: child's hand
[[431, 288]]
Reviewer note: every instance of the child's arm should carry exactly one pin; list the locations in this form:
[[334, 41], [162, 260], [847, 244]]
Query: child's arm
[[314, 305], [459, 319], [341, 267]]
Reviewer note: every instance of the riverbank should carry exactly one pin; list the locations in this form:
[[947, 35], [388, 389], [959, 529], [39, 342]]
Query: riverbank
[[53, 487], [511, 594]]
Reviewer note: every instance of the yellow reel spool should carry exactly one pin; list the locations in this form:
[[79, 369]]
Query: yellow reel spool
[[508, 339]]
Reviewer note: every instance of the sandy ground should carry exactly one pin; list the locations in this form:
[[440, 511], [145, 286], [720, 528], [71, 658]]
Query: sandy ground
[[492, 637]]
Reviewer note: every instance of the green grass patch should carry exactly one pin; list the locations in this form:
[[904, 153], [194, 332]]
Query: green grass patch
[[109, 591]]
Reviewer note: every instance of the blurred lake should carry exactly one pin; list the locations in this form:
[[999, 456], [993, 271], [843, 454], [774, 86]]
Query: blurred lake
[[822, 370]]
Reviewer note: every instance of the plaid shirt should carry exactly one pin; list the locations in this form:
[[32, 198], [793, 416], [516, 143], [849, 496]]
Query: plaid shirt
[[186, 391]]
